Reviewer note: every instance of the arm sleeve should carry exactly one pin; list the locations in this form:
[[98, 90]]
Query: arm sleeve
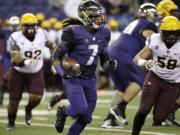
[[104, 56], [151, 26], [68, 43], [12, 44], [68, 40]]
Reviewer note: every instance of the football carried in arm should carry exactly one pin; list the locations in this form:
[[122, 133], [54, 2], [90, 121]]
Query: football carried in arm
[[71, 66]]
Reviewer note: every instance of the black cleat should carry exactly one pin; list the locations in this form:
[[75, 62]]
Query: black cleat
[[28, 116], [60, 119], [119, 115], [10, 126], [55, 99], [109, 123], [172, 118]]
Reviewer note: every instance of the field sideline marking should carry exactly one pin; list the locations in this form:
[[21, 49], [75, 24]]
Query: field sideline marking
[[21, 112], [89, 128]]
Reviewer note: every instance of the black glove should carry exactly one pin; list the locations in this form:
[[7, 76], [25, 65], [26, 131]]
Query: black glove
[[110, 64], [71, 21]]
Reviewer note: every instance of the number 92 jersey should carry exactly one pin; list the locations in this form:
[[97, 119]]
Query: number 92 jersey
[[167, 61], [30, 49]]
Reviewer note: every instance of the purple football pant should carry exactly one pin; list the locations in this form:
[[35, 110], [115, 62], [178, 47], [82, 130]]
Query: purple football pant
[[82, 97]]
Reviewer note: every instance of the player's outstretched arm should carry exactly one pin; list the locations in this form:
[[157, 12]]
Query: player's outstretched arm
[[140, 58], [15, 55], [16, 59]]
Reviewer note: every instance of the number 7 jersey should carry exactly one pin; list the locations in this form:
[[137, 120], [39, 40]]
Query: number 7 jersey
[[30, 49], [85, 47], [167, 61]]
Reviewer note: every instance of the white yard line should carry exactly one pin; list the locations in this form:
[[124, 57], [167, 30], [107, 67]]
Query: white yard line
[[50, 94], [90, 128], [100, 104], [21, 112]]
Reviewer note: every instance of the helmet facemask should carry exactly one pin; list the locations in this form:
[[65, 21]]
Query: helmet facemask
[[170, 30], [29, 30], [170, 37], [92, 14]]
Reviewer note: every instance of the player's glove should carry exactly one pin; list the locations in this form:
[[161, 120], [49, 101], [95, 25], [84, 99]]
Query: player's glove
[[110, 64], [30, 62], [71, 21]]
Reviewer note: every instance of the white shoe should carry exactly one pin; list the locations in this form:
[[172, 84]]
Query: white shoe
[[111, 124], [118, 116]]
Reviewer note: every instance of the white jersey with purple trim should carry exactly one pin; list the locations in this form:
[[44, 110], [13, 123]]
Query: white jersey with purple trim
[[30, 49], [167, 61]]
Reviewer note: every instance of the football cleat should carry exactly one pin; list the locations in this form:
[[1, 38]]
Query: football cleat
[[175, 122], [28, 116], [10, 126], [119, 115], [60, 119], [55, 99], [109, 123], [164, 123], [172, 118]]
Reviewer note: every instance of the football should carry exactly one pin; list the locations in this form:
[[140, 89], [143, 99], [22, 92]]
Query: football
[[71, 65]]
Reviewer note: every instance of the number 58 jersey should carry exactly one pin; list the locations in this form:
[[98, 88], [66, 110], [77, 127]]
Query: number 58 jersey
[[167, 61], [30, 49]]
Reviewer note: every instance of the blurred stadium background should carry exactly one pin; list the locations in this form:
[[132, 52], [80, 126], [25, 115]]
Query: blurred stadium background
[[50, 13]]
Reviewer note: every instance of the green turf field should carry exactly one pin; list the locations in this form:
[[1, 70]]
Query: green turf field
[[43, 121]]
